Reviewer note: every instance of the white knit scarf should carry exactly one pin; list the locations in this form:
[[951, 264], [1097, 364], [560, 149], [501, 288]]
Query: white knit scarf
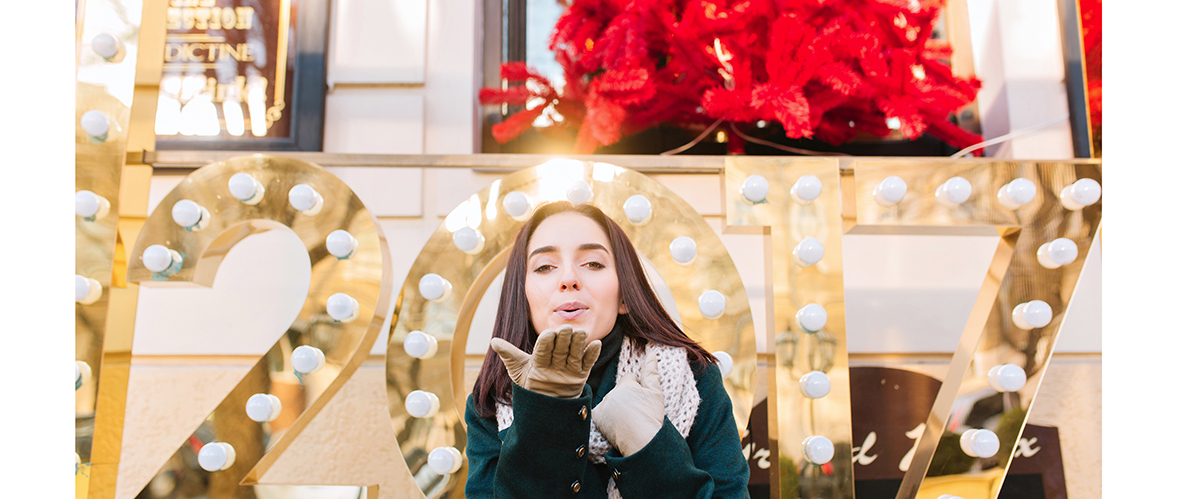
[[676, 382]]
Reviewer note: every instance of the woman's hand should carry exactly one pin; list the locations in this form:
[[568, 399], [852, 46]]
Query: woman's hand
[[633, 412], [559, 366]]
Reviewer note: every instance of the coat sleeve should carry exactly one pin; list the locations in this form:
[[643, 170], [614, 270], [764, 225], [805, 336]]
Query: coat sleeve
[[543, 452], [707, 464]]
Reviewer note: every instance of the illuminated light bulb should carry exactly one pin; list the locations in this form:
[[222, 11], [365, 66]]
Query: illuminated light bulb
[[815, 385], [755, 189], [1032, 314], [980, 443], [818, 449], [712, 304], [90, 206], [1056, 253], [811, 317], [683, 250], [889, 191], [517, 205], [107, 47], [445, 460], [81, 374], [468, 240], [263, 407], [1084, 192], [86, 290], [256, 105], [420, 345], [422, 404], [1006, 377], [162, 260], [190, 215], [806, 189], [343, 308], [167, 111], [341, 244], [638, 210], [216, 456], [96, 125], [808, 252], [725, 363], [199, 117], [307, 359], [305, 199], [953, 192], [246, 188], [1017, 193], [893, 123], [434, 287], [235, 120], [579, 192]]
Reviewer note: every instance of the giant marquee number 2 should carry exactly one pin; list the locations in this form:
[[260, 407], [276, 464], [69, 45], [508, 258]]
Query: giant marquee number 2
[[1046, 215]]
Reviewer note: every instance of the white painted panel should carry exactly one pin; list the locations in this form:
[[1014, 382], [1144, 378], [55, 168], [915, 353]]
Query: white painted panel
[[453, 28], [386, 192], [702, 192], [456, 186], [373, 121], [259, 290], [159, 187], [377, 41], [1082, 328]]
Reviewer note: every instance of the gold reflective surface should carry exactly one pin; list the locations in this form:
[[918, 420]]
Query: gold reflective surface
[[470, 275], [345, 345]]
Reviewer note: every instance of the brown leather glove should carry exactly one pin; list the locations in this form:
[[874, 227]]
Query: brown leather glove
[[560, 363], [633, 412]]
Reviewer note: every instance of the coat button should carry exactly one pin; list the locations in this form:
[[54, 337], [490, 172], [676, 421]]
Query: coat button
[[615, 474], [576, 487], [581, 450], [583, 412]]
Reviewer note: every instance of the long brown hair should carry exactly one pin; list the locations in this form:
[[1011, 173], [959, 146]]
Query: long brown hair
[[646, 319]]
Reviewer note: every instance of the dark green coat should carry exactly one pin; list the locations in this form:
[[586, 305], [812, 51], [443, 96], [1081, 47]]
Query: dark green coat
[[544, 453]]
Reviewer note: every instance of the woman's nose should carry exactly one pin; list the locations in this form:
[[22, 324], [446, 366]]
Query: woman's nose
[[569, 279]]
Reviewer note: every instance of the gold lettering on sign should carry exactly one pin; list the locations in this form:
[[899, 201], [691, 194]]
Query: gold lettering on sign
[[209, 52], [859, 456], [913, 435], [210, 18], [1025, 447]]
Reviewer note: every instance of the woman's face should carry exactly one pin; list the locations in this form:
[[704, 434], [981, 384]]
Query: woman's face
[[571, 276]]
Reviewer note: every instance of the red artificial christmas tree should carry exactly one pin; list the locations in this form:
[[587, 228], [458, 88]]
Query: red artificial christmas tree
[[823, 69]]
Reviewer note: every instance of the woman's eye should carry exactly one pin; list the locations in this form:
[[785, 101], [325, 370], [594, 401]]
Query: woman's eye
[[541, 269], [596, 265]]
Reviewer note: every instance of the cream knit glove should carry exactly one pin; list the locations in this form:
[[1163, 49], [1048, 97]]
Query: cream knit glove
[[559, 366], [633, 412]]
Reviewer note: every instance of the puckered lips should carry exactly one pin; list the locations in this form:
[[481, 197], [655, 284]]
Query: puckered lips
[[570, 310]]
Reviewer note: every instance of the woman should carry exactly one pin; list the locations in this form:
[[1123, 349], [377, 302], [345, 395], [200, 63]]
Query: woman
[[590, 389]]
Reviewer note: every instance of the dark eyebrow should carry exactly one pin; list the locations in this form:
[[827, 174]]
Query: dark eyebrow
[[583, 247], [543, 249]]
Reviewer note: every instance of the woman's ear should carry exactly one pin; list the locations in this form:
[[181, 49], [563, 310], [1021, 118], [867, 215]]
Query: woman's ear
[[622, 307]]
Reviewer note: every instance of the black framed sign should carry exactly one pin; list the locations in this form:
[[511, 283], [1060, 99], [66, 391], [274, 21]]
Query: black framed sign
[[243, 75]]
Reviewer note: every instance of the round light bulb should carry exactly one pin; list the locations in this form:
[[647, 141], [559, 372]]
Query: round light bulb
[[343, 308], [980, 443], [806, 189], [1032, 314], [683, 250], [434, 287], [812, 317], [216, 456], [818, 449], [517, 205], [246, 188], [1056, 253], [755, 189], [90, 206], [808, 252], [1017, 193], [889, 191], [422, 404], [86, 290], [725, 363], [263, 407], [341, 244], [82, 373], [638, 209], [953, 192], [579, 192], [307, 359], [1006, 377], [96, 124], [305, 199], [105, 45], [712, 304], [468, 240], [420, 345], [1084, 192], [158, 258], [190, 215], [445, 460], [815, 384]]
